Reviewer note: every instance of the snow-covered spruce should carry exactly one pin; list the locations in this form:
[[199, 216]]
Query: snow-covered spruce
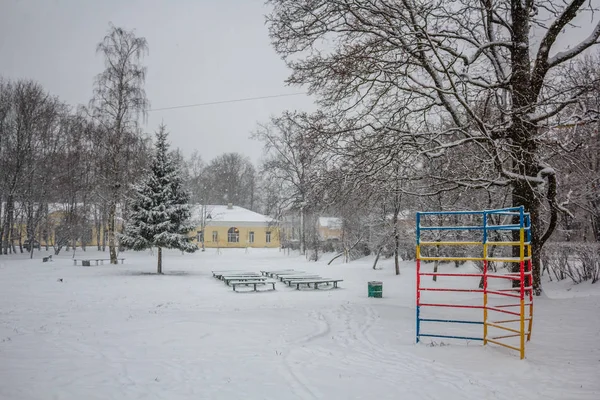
[[159, 212]]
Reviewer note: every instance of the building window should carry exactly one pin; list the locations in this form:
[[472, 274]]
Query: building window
[[215, 236], [251, 237], [200, 236], [233, 235], [268, 237]]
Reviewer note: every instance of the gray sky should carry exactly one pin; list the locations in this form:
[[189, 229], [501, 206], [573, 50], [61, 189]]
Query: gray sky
[[200, 51]]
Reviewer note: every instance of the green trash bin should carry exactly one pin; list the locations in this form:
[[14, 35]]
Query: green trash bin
[[376, 289]]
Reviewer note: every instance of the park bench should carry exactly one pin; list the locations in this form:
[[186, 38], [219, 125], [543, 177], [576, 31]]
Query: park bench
[[219, 274], [316, 282], [242, 278], [254, 283], [279, 274], [269, 273], [288, 279], [86, 261]]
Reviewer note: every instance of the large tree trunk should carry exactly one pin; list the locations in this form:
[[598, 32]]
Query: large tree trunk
[[159, 269], [8, 214], [112, 245]]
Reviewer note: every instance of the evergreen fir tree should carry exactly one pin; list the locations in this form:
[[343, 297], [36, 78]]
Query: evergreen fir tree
[[159, 211]]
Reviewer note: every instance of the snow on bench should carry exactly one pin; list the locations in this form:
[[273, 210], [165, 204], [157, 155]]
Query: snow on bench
[[220, 274], [287, 278], [243, 278], [279, 274], [254, 284], [85, 261], [316, 282], [270, 273]]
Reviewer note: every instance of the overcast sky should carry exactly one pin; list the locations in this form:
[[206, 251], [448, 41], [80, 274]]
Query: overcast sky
[[200, 51]]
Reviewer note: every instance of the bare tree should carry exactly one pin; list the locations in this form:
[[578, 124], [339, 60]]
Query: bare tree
[[416, 62], [119, 100], [292, 161]]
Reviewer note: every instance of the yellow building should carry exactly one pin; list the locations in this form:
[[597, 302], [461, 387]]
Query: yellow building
[[329, 228], [231, 226]]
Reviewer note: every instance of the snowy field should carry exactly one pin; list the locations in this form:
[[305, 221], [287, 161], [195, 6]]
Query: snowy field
[[120, 332]]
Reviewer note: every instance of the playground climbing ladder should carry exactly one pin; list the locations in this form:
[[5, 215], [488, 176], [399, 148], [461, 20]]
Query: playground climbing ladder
[[499, 321]]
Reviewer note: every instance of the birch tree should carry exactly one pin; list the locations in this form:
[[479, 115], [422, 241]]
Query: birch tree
[[119, 101]]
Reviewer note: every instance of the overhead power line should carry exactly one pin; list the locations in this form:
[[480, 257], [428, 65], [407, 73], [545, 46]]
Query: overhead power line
[[210, 103]]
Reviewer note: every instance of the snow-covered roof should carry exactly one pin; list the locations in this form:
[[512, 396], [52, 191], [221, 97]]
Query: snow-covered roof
[[222, 213], [330, 222]]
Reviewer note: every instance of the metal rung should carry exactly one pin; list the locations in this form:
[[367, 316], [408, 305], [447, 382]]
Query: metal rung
[[455, 321], [503, 344], [450, 337], [510, 320], [504, 328]]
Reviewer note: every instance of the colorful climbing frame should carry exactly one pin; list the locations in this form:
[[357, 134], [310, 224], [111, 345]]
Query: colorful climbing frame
[[500, 322]]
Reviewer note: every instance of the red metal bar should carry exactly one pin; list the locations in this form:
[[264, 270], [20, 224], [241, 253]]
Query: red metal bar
[[452, 290], [449, 305], [511, 305], [443, 274], [504, 276], [504, 294]]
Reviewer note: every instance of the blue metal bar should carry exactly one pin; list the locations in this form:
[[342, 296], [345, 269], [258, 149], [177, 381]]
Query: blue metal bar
[[450, 212], [451, 337], [418, 323], [454, 321], [485, 228], [418, 228]]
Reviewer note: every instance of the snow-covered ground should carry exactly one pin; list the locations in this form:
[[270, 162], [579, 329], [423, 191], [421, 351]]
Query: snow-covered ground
[[120, 332]]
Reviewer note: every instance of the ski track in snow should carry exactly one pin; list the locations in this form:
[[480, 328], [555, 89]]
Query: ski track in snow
[[116, 332]]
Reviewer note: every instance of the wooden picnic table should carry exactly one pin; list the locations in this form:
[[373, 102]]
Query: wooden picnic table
[[316, 282], [219, 274], [101, 260], [286, 279], [268, 273], [254, 283], [282, 273], [228, 279]]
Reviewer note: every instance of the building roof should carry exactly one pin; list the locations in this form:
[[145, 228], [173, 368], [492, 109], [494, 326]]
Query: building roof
[[222, 213]]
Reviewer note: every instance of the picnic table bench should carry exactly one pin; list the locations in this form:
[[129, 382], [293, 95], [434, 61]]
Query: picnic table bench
[[279, 274], [315, 282], [86, 261], [267, 273], [254, 283], [243, 278], [219, 274], [288, 279]]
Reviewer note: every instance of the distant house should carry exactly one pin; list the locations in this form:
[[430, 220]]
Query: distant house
[[329, 228], [229, 226]]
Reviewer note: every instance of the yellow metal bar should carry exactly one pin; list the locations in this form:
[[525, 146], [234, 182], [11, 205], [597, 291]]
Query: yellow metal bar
[[451, 243], [505, 328], [451, 258], [508, 321], [503, 344], [530, 321], [506, 336], [418, 252]]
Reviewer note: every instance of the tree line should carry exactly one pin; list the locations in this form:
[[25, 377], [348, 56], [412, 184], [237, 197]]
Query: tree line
[[66, 173]]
